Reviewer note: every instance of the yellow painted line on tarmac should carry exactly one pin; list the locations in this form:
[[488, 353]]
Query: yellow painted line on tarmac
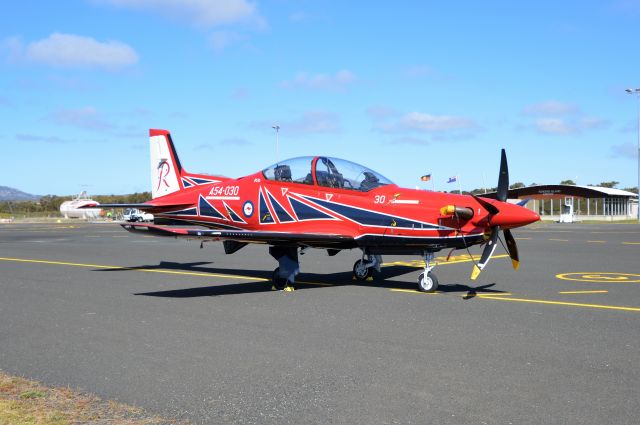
[[441, 261], [497, 294], [123, 236], [596, 241], [568, 304], [599, 291], [522, 239], [600, 277], [312, 283], [560, 240], [163, 271], [630, 243], [413, 291]]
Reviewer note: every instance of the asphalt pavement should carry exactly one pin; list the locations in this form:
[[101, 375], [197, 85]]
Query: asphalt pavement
[[194, 333]]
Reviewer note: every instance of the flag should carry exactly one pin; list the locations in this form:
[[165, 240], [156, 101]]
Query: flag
[[426, 177], [452, 179]]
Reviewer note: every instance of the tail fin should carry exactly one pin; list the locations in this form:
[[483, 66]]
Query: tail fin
[[167, 174], [165, 164]]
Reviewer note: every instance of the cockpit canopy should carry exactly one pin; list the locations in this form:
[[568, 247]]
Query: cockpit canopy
[[328, 172]]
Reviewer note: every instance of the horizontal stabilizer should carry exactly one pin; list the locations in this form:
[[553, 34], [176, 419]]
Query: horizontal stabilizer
[[138, 206]]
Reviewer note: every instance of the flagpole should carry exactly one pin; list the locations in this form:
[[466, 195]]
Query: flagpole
[[459, 184]]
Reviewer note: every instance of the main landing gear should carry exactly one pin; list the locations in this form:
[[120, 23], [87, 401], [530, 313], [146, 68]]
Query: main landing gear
[[363, 269], [288, 267], [427, 281]]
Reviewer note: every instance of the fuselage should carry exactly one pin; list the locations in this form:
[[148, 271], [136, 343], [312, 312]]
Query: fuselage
[[384, 219]]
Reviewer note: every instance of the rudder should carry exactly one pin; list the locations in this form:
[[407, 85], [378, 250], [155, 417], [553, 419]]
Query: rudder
[[165, 164]]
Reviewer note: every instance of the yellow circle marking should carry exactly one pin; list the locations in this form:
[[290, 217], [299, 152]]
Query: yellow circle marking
[[600, 277]]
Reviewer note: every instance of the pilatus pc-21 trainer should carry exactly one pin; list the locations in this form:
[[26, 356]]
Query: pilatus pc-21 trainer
[[325, 203]]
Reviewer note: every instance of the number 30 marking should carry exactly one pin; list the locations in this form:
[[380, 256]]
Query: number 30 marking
[[379, 199]]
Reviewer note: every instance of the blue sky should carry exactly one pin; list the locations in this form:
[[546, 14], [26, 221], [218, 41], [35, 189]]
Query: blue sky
[[406, 88]]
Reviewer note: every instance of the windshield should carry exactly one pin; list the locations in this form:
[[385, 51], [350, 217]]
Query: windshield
[[296, 170], [342, 174]]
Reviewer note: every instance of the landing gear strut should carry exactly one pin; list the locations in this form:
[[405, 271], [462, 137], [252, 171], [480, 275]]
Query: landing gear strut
[[363, 269], [288, 267], [427, 281]]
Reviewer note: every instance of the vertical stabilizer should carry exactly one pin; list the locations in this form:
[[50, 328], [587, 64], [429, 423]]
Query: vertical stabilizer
[[165, 165]]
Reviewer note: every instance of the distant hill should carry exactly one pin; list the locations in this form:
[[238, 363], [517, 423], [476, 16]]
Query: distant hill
[[11, 194]]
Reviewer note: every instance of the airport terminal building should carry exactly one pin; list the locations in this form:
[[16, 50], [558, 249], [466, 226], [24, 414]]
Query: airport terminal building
[[568, 203]]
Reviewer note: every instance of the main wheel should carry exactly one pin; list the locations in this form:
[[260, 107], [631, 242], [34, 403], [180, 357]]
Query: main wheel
[[360, 272], [278, 282], [428, 283]]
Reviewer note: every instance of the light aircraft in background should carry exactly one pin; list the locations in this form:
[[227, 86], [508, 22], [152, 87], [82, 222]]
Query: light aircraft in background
[[325, 203]]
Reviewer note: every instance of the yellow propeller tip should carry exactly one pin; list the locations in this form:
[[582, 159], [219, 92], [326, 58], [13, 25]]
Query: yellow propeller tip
[[516, 264], [475, 273]]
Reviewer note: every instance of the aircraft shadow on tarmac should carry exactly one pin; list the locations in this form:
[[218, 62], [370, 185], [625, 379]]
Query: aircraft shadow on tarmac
[[303, 281]]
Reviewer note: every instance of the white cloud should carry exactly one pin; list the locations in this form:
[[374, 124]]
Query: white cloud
[[206, 13], [433, 123], [554, 126], [564, 126], [24, 137], [592, 123], [69, 50], [561, 118], [337, 82], [220, 40], [550, 107], [380, 112], [89, 118], [313, 122]]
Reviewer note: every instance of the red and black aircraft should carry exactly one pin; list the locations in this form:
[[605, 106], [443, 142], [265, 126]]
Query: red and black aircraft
[[326, 203]]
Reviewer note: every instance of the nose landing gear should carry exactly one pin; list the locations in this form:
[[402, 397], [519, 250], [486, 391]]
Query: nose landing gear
[[427, 281]]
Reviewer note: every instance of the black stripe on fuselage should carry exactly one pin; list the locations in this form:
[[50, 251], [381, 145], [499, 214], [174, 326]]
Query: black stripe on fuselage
[[208, 210], [281, 213]]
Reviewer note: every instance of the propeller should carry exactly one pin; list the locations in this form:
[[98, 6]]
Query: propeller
[[490, 247]]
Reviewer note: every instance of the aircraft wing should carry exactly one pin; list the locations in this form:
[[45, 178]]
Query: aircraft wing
[[317, 240]]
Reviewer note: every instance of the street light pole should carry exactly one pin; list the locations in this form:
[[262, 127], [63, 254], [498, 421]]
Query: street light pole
[[636, 91], [277, 129]]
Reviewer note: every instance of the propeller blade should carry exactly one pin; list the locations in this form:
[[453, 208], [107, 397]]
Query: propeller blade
[[503, 179], [512, 248], [487, 206], [486, 253]]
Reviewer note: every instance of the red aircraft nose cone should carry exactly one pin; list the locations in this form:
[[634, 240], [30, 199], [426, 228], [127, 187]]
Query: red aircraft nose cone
[[511, 215]]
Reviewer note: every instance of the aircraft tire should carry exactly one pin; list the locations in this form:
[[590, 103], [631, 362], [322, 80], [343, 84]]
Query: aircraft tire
[[359, 272], [278, 282], [430, 284]]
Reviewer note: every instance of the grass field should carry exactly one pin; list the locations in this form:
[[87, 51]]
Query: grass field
[[26, 402]]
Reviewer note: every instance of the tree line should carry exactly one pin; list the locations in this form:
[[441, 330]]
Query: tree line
[[50, 204]]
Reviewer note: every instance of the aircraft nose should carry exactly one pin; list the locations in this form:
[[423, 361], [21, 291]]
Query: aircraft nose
[[511, 215]]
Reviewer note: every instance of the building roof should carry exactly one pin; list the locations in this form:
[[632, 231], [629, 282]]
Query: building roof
[[565, 190]]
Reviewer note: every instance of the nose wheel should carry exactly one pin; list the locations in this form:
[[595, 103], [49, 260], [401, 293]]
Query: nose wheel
[[427, 281]]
